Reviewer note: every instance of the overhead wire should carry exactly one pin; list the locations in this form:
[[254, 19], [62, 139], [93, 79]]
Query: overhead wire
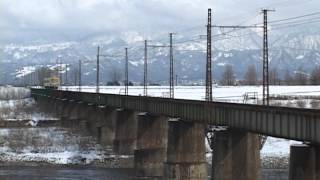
[[294, 18]]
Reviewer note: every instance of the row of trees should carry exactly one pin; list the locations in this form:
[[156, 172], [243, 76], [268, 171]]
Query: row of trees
[[72, 76], [251, 77], [298, 77]]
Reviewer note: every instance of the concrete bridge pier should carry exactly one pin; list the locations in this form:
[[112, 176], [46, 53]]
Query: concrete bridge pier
[[304, 162], [125, 132], [101, 123], [150, 153], [54, 107], [107, 125], [59, 107], [44, 104], [82, 111], [89, 122], [77, 114], [47, 105], [186, 151], [236, 156], [68, 106], [75, 110], [68, 112]]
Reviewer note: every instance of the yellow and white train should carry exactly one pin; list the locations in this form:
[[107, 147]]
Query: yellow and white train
[[52, 82]]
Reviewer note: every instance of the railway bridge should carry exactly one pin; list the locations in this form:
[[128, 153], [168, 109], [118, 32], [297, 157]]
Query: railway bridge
[[167, 136]]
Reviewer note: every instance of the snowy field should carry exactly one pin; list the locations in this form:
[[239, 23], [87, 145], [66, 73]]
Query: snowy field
[[49, 145], [13, 93], [220, 93], [30, 143], [16, 104], [275, 147]]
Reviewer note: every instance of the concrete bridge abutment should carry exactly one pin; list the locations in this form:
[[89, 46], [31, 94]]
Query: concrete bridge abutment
[[304, 162], [151, 151], [236, 155], [186, 151]]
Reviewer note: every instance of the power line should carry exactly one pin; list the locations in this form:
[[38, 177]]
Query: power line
[[295, 24], [277, 26], [296, 17], [98, 69], [296, 21], [265, 83]]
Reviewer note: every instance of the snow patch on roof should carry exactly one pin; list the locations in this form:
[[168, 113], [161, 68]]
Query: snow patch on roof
[[300, 57], [25, 71], [221, 64]]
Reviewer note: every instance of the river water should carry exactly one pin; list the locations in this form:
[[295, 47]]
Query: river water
[[62, 173]]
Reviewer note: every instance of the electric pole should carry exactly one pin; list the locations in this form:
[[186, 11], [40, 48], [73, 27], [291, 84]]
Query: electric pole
[[208, 64], [66, 80], [126, 82], [265, 75], [61, 78], [176, 79], [145, 77], [79, 76], [265, 56], [209, 76], [171, 68], [265, 82], [59, 64], [98, 70]]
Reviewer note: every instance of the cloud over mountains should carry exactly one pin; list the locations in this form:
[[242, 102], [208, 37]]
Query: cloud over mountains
[[57, 19]]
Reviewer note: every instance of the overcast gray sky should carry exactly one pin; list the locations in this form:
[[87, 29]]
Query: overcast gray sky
[[31, 20]]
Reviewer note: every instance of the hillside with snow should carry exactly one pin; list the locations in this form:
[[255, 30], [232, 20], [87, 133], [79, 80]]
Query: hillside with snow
[[289, 50]]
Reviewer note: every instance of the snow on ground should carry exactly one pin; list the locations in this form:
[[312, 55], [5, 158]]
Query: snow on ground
[[51, 145], [13, 93], [54, 145], [277, 147], [21, 110], [225, 93], [17, 105]]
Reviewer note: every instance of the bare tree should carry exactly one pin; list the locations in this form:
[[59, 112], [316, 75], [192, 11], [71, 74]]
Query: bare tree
[[250, 77], [44, 72], [288, 79], [74, 76], [315, 76], [115, 76], [228, 77], [274, 77], [300, 77]]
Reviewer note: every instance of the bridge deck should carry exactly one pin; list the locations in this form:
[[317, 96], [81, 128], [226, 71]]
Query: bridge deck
[[283, 122]]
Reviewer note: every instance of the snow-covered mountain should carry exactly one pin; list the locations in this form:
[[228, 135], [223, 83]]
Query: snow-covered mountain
[[289, 50]]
